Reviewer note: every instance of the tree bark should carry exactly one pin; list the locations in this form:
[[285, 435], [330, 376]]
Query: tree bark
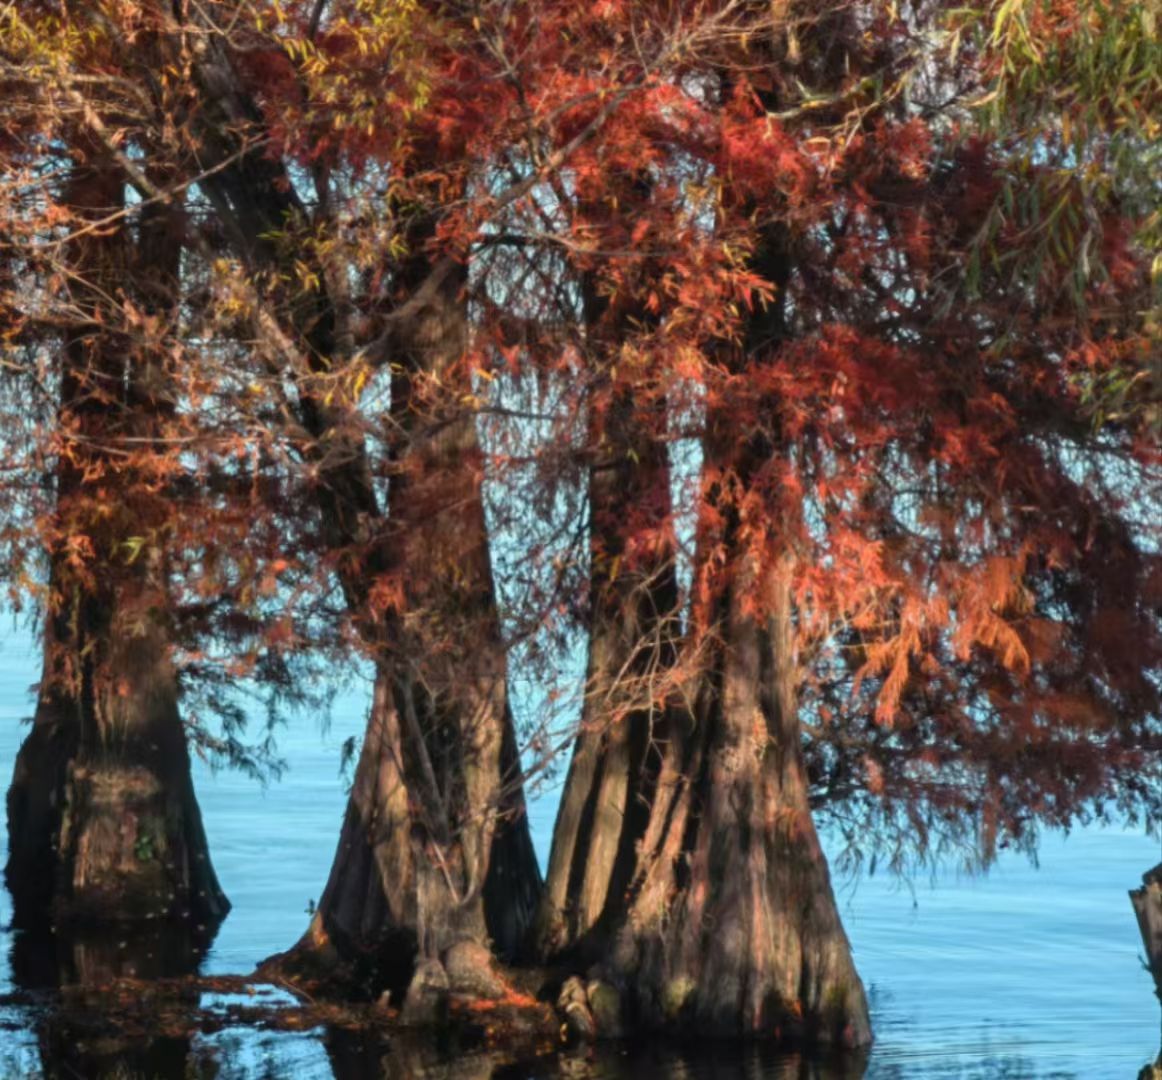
[[103, 822], [1147, 904], [604, 804], [435, 845], [729, 925], [633, 613], [422, 864], [732, 926]]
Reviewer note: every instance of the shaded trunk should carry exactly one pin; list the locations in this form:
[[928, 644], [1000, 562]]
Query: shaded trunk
[[102, 817], [729, 926], [732, 926], [633, 625], [103, 820], [422, 864], [513, 885], [1147, 904]]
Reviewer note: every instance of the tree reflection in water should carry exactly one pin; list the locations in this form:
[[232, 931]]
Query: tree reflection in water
[[361, 1056], [76, 975], [95, 1011]]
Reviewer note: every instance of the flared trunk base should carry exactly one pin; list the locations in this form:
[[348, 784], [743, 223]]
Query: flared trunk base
[[105, 840]]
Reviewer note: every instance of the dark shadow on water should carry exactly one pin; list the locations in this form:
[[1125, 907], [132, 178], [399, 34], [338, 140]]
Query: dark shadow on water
[[363, 1056], [67, 1053], [74, 975], [358, 1055], [710, 1061], [81, 957]]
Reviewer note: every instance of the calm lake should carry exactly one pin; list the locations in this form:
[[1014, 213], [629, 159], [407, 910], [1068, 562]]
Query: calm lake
[[1023, 973]]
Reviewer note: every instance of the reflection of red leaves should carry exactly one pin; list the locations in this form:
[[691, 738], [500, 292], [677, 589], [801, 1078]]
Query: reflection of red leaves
[[512, 999], [517, 1000]]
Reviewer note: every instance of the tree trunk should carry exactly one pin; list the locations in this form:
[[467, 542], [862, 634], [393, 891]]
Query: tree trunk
[[422, 864], [513, 885], [1147, 904], [604, 803], [729, 925], [732, 928], [103, 822], [634, 613], [435, 846]]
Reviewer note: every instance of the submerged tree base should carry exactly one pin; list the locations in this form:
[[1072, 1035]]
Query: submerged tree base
[[105, 841], [566, 1004], [462, 989], [158, 1028]]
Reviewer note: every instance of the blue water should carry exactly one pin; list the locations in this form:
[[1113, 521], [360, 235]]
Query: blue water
[[1023, 973]]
